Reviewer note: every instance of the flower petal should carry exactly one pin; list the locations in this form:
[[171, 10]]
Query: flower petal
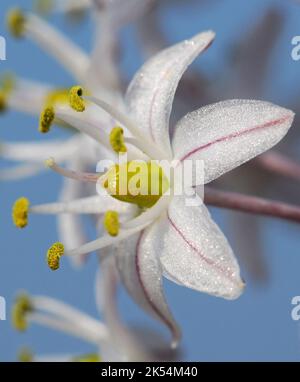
[[141, 273], [151, 92], [196, 254], [227, 134]]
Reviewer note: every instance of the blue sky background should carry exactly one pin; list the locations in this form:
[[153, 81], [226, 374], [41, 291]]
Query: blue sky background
[[258, 326]]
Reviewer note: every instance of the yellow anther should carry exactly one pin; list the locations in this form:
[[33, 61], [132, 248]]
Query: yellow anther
[[16, 22], [116, 138], [111, 223], [25, 355], [47, 117], [93, 357], [22, 306], [76, 102], [54, 254], [44, 7], [3, 101], [57, 97], [20, 212]]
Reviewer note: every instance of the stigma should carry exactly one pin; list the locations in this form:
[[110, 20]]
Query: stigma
[[136, 182]]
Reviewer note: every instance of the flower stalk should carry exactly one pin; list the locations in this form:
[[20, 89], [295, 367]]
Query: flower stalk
[[251, 204]]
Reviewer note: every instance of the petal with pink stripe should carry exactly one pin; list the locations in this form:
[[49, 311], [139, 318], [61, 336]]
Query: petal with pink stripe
[[227, 134], [141, 272], [151, 92], [196, 254]]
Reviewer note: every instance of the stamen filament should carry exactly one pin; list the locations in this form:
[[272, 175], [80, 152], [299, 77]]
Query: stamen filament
[[27, 96], [105, 241], [148, 148], [20, 172], [90, 205], [55, 43], [85, 124], [68, 327], [64, 311], [76, 175], [37, 151]]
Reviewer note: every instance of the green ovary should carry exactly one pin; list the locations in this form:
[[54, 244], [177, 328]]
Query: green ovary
[[136, 182]]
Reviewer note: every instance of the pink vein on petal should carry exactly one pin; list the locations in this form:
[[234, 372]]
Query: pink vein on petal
[[151, 303], [279, 121], [205, 259]]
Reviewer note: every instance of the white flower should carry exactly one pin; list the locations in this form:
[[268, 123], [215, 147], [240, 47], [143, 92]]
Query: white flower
[[167, 237]]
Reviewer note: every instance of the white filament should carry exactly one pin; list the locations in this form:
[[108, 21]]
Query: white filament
[[105, 241], [55, 43], [145, 143], [67, 312]]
